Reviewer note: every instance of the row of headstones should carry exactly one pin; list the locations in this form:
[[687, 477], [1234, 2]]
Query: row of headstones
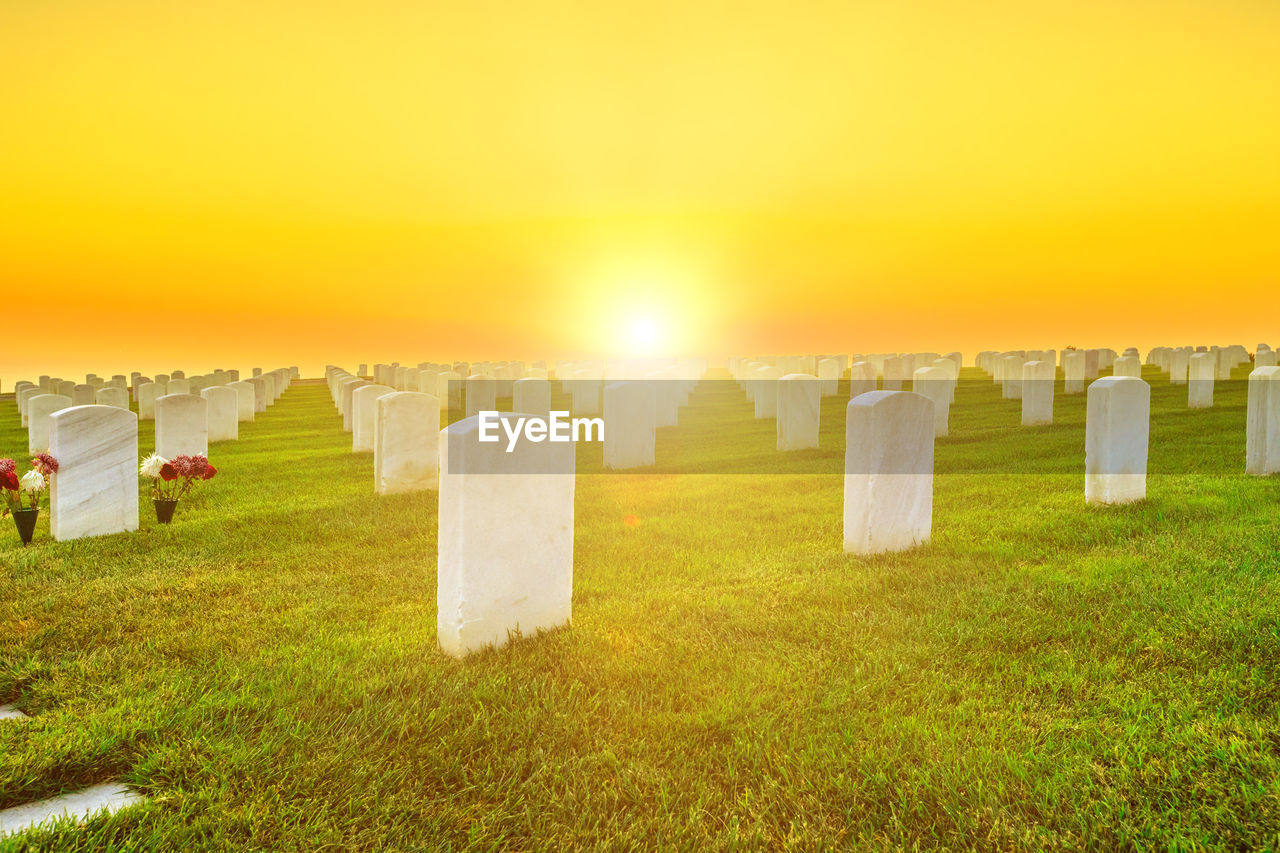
[[95, 491], [1182, 365], [391, 423], [505, 561], [794, 399], [219, 401]]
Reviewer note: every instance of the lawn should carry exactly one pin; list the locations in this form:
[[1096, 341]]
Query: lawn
[[1041, 675]]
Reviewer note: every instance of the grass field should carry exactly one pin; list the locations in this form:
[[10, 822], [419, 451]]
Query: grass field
[[1042, 675]]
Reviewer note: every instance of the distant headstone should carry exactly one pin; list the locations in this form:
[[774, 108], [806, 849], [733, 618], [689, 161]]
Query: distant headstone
[[224, 412], [39, 410], [363, 401], [1200, 380], [83, 395], [1127, 365], [862, 378], [629, 423], [935, 384], [531, 396], [182, 425], [147, 394], [1073, 370], [111, 395], [1038, 378], [245, 400]]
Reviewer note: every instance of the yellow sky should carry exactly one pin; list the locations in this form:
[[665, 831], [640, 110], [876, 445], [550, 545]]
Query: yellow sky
[[357, 181]]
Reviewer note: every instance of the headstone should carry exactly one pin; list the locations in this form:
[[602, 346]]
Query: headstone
[[1265, 359], [799, 408], [531, 396], [65, 388], [348, 389], [182, 425], [829, 376], [482, 394], [112, 396], [1127, 365], [934, 384], [1011, 383], [888, 472], [630, 419], [39, 410], [1200, 380], [224, 413], [261, 393], [245, 400], [1037, 393], [83, 395], [505, 538], [362, 427], [894, 372], [1117, 423], [147, 394], [862, 378], [449, 390], [95, 491], [1073, 370], [178, 386], [406, 435], [1262, 425]]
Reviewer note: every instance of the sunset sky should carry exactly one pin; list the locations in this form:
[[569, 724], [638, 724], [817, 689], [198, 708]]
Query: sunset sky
[[284, 182]]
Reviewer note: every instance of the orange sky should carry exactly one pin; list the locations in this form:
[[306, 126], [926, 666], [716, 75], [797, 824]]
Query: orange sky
[[285, 182]]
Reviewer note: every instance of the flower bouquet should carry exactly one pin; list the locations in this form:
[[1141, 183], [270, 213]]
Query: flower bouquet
[[22, 494], [173, 479]]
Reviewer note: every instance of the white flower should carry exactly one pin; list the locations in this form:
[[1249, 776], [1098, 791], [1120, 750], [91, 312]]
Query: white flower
[[151, 466], [32, 482]]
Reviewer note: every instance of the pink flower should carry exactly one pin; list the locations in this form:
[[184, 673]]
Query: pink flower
[[45, 464], [7, 466]]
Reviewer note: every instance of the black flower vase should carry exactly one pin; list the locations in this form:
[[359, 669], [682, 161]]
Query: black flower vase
[[25, 521], [164, 509]]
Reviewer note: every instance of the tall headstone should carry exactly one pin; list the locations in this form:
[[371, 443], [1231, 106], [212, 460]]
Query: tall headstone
[[363, 401], [1037, 393], [1073, 371], [829, 376], [147, 394], [505, 561], [1200, 380], [95, 491], [934, 384], [245, 397], [39, 410], [862, 378], [1262, 425], [182, 425], [531, 396], [799, 410], [630, 420], [1117, 424], [888, 472], [224, 412], [406, 436]]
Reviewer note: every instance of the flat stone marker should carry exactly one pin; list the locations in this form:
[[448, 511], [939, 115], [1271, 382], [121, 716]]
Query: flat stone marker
[[406, 437], [505, 538], [8, 712], [531, 396], [224, 410], [799, 410], [1117, 424], [1262, 426], [78, 806], [39, 409], [630, 421], [245, 400], [95, 491], [363, 409], [1037, 393], [935, 383], [888, 472], [1200, 380], [182, 425], [112, 396]]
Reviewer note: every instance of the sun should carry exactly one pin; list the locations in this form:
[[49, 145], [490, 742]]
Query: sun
[[644, 332]]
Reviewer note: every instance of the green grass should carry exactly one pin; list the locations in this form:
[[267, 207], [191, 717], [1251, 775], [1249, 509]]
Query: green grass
[[1042, 675]]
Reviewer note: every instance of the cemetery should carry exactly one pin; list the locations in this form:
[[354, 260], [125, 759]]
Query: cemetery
[[367, 607]]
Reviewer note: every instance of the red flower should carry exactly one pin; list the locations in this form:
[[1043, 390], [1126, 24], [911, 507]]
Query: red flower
[[7, 465], [45, 464], [167, 472], [209, 472], [9, 480]]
